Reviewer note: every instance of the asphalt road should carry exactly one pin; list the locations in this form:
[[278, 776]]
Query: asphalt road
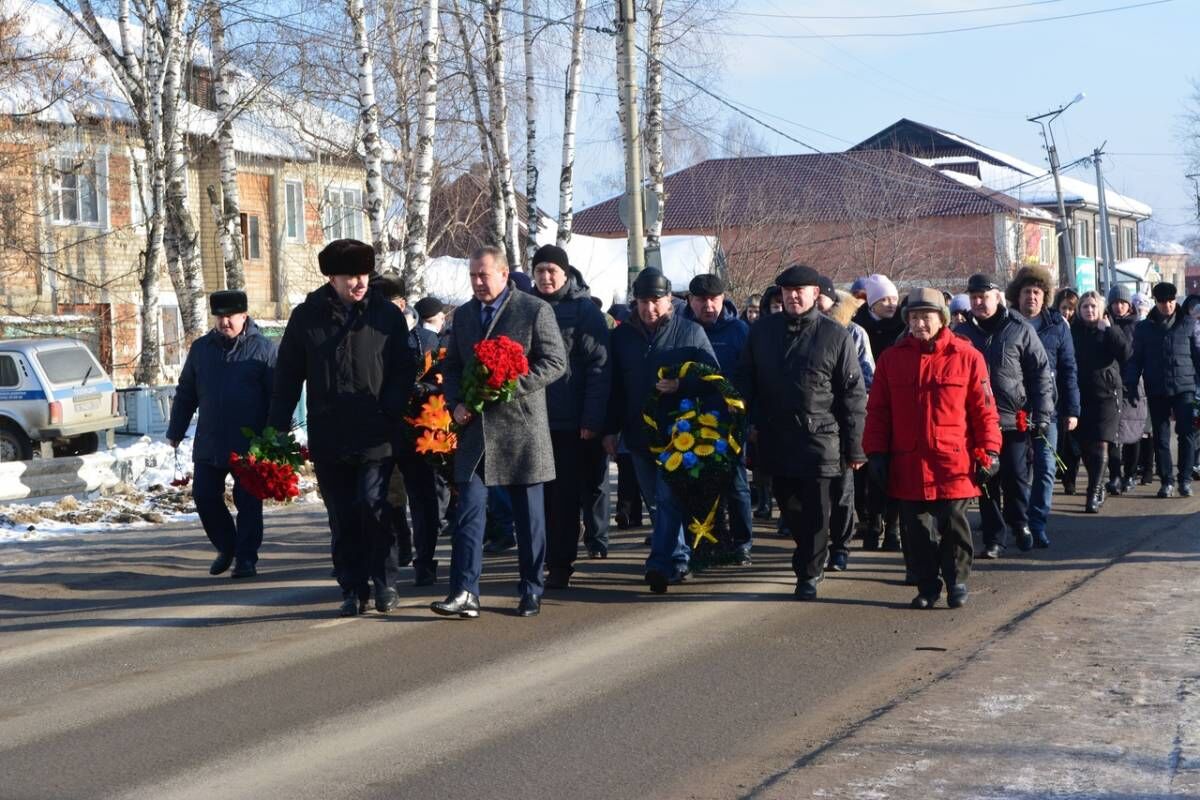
[[127, 671]]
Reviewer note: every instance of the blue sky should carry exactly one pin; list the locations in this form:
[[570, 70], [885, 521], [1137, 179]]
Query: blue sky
[[1135, 66]]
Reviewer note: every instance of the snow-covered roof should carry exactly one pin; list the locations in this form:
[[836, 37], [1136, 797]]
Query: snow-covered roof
[[273, 124], [1148, 244]]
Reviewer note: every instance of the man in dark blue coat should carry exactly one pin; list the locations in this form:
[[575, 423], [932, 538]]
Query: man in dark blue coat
[[227, 377], [1029, 293], [1166, 358], [655, 336], [577, 406], [727, 333]]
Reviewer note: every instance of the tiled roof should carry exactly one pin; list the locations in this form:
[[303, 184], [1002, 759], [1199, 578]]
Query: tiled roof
[[818, 187]]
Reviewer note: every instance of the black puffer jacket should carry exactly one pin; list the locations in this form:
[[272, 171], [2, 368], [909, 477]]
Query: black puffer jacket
[[882, 333], [579, 399], [1020, 372], [805, 395], [1100, 355], [359, 368], [1164, 354]]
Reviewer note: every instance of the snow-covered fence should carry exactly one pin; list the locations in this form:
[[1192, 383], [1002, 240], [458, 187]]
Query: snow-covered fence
[[55, 477]]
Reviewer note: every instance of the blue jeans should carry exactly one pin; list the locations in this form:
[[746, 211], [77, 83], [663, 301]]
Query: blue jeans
[[741, 522], [669, 551], [1042, 490]]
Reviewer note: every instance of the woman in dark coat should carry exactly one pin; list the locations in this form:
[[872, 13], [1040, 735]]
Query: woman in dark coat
[[1100, 352], [1065, 302]]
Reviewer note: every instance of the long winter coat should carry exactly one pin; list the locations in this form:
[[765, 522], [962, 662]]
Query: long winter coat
[[359, 367], [1165, 355], [637, 355], [805, 394], [930, 408], [229, 381], [512, 439], [727, 335], [1132, 420], [579, 399], [1100, 355], [1056, 339], [1017, 365], [882, 333]]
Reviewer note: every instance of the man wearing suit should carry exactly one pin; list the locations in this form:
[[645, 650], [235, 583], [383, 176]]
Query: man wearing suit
[[508, 444]]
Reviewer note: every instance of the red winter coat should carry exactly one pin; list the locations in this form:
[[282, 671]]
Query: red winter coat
[[930, 407]]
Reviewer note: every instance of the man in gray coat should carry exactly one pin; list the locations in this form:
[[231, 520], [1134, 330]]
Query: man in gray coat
[[508, 444]]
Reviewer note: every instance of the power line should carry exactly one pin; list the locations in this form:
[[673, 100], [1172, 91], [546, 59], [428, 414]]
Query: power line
[[907, 15]]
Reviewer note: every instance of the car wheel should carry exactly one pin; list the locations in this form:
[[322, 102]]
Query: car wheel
[[14, 444]]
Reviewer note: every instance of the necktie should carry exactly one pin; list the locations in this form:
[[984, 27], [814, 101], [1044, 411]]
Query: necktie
[[488, 312]]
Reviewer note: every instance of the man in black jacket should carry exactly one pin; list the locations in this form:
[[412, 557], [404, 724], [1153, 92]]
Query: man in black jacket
[[351, 345], [227, 377], [1024, 388], [1166, 357], [577, 405], [807, 406]]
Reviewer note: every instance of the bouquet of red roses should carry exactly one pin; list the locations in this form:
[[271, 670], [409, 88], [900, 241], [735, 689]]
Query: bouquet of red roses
[[492, 376], [268, 470]]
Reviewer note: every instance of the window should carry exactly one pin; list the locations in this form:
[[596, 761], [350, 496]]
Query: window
[[1130, 239], [8, 372], [343, 214], [69, 365], [172, 335], [1047, 246], [140, 191], [251, 250], [1114, 242], [293, 193], [77, 189], [1083, 239]]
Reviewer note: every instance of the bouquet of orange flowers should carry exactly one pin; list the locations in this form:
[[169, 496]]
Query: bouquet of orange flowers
[[434, 429]]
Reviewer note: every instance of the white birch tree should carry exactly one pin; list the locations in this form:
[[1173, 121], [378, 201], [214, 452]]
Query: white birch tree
[[413, 275], [566, 180], [531, 169], [498, 117], [654, 119], [372, 143], [224, 199]]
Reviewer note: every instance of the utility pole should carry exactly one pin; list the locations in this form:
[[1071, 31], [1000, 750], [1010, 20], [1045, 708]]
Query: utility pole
[[1106, 243], [634, 207], [1066, 255]]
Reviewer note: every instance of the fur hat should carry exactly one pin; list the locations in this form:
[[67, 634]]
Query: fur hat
[[1162, 292], [347, 257], [226, 302], [1029, 276], [879, 286]]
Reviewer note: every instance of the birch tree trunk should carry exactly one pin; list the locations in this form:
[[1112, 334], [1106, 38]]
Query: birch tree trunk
[[566, 180], [498, 115], [372, 143], [397, 68], [225, 203], [150, 366], [531, 168], [654, 121], [417, 244]]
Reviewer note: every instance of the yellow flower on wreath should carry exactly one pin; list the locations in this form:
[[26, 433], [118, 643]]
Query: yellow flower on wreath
[[707, 419], [704, 450], [683, 441], [709, 433], [673, 461]]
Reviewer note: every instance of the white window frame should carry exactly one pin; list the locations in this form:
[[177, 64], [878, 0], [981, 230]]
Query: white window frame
[[1082, 239], [251, 235], [1047, 245], [340, 220], [99, 157], [293, 195], [1129, 241]]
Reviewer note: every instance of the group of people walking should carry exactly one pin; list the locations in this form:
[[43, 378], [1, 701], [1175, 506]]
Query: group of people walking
[[863, 405]]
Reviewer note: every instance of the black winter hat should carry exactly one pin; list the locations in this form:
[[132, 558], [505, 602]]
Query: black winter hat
[[980, 283], [549, 254], [226, 302], [706, 285], [347, 257], [1162, 292], [798, 275], [389, 286], [428, 307], [650, 284], [827, 288]]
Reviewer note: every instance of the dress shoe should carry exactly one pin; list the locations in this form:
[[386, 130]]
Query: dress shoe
[[924, 601], [220, 563], [741, 558], [425, 576], [464, 605], [993, 551], [1127, 485], [530, 605], [1185, 489], [1103, 494], [243, 568], [1114, 487], [494, 546], [1166, 490], [350, 607], [957, 596], [386, 599], [837, 562], [1146, 479], [1093, 503], [806, 588], [891, 540], [1041, 540], [1025, 539], [559, 578], [658, 581]]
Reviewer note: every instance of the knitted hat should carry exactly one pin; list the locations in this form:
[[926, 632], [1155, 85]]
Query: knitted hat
[[925, 299], [960, 304], [227, 302], [1028, 276], [798, 275], [879, 286], [347, 257], [549, 254], [1120, 292]]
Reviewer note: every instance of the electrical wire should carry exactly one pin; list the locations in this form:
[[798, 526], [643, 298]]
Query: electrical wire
[[905, 15]]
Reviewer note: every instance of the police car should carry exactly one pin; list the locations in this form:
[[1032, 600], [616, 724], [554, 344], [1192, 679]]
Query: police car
[[55, 399]]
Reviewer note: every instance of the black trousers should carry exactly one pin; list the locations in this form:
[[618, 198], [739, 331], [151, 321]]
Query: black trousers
[[629, 494], [420, 483], [805, 508], [1006, 495], [360, 519], [240, 538], [580, 469], [842, 495], [1162, 409], [939, 542]]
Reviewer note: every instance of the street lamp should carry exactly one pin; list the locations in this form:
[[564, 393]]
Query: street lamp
[[1066, 255]]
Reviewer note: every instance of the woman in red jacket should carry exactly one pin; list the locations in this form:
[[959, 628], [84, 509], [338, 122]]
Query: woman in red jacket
[[932, 437]]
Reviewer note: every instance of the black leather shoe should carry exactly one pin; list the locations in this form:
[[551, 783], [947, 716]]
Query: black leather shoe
[[559, 578], [658, 581], [1069, 489], [1166, 490], [386, 599], [1114, 487], [957, 597], [837, 562], [350, 607], [806, 589], [923, 601], [1093, 503], [993, 551], [243, 569], [1127, 485], [741, 559], [1185, 489], [530, 605], [891, 541], [1041, 540], [499, 545], [425, 576], [220, 563], [463, 605], [1025, 539]]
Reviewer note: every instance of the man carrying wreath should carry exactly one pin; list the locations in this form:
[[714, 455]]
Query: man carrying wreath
[[507, 442]]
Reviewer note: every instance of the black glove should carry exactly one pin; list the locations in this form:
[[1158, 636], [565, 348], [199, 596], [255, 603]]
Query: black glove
[[1040, 428], [985, 472], [877, 469]]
